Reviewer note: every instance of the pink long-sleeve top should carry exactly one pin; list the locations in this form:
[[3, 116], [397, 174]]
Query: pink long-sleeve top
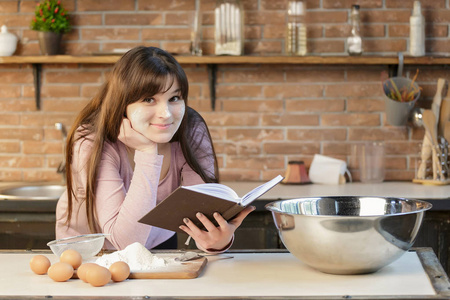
[[124, 196]]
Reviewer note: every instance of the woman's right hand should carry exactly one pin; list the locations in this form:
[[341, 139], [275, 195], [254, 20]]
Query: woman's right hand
[[134, 139]]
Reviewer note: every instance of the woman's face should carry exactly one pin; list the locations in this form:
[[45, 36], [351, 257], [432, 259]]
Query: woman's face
[[158, 117]]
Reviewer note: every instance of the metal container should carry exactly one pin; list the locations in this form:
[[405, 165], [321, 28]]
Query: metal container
[[348, 235]]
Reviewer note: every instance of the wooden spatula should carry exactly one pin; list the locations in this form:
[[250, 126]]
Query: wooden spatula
[[429, 122], [441, 92], [444, 116]]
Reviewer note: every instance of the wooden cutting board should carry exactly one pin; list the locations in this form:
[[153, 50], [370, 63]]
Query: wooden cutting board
[[174, 270]]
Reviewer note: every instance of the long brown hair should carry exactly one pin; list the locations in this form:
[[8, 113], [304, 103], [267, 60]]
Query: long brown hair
[[142, 71]]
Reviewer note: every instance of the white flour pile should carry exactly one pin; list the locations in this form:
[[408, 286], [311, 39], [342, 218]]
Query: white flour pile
[[136, 256]]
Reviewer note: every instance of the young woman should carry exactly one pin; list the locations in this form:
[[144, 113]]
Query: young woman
[[130, 147]]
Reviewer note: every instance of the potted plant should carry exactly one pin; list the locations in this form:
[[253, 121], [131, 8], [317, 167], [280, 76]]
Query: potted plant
[[51, 21]]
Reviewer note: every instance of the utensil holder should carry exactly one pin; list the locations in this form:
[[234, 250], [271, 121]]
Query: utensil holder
[[397, 112], [433, 165]]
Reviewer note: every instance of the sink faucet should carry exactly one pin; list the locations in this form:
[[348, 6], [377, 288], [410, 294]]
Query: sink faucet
[[62, 166]]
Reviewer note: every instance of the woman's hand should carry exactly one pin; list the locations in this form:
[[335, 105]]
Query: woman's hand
[[134, 139], [215, 238]]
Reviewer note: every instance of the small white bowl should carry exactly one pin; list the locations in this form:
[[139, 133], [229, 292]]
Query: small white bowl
[[88, 245]]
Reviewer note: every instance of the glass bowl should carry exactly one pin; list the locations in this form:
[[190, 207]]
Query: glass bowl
[[88, 245]]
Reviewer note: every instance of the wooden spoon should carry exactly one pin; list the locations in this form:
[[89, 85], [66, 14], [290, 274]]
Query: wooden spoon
[[429, 122]]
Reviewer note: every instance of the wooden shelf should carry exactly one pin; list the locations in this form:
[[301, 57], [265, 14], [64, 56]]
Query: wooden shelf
[[332, 60]]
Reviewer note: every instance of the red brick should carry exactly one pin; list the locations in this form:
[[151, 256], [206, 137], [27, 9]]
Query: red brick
[[9, 147], [366, 73], [240, 175], [293, 91], [16, 77], [9, 6], [234, 119], [21, 162], [39, 147], [104, 5], [253, 105], [261, 134], [255, 163], [88, 20], [426, 4], [228, 91], [263, 47], [17, 105], [325, 46], [386, 16], [42, 175], [10, 175], [265, 17], [9, 119], [365, 4], [64, 105], [76, 76], [353, 90], [317, 105], [374, 134], [22, 134], [365, 105], [110, 34], [143, 19], [354, 120], [260, 75], [398, 30], [317, 134], [8, 91], [290, 120], [314, 75], [292, 148], [161, 5]]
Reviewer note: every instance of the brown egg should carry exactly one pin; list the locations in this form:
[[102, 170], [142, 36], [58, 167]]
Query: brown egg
[[82, 270], [60, 271], [119, 271], [98, 276], [39, 264], [71, 257]]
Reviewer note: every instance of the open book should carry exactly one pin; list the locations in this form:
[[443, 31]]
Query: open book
[[206, 198]]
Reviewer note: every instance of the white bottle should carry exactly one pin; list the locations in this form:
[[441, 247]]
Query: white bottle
[[417, 31], [354, 42]]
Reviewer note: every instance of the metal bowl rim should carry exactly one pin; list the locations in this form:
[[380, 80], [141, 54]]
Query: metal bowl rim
[[269, 206], [66, 241]]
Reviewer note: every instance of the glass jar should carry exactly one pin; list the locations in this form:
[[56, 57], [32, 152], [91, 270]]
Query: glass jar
[[296, 29]]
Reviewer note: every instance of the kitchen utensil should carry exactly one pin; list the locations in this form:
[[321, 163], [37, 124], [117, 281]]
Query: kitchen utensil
[[425, 155], [429, 122], [398, 112], [417, 117], [88, 245], [444, 115], [191, 255], [441, 87], [447, 130], [349, 234]]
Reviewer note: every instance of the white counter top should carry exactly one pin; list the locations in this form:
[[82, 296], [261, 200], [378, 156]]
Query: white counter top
[[246, 275], [400, 189]]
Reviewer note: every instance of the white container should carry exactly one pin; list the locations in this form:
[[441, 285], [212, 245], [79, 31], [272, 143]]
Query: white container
[[354, 41], [417, 31], [229, 27], [8, 42]]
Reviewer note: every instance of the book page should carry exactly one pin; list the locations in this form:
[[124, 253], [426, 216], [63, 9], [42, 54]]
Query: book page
[[258, 191], [215, 189]]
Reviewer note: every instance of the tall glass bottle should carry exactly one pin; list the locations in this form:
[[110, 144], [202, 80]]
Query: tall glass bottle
[[296, 29], [229, 27], [354, 42]]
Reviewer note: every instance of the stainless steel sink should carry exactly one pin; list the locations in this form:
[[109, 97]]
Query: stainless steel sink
[[32, 192]]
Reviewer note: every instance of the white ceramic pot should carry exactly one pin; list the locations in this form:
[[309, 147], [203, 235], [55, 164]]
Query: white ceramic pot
[[8, 42]]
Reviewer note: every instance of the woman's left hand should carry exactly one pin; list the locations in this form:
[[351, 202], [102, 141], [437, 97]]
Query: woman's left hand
[[215, 238]]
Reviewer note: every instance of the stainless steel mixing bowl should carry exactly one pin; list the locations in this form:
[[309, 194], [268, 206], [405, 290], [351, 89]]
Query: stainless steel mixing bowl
[[348, 235]]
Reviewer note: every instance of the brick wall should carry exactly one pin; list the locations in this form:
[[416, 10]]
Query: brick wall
[[265, 115]]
